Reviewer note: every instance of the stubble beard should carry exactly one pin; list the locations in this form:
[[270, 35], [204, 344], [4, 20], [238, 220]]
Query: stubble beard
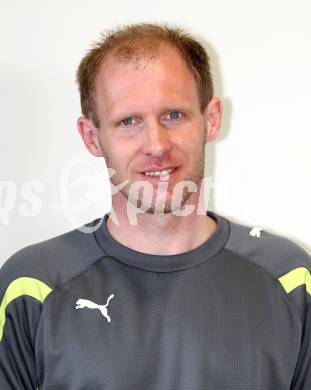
[[139, 202]]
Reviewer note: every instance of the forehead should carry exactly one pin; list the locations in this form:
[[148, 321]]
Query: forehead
[[139, 57], [164, 75]]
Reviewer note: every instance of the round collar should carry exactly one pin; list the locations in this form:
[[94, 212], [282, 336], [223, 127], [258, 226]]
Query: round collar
[[164, 263]]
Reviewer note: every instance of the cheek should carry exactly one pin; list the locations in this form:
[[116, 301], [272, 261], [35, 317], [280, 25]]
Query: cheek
[[192, 136], [192, 146], [117, 157]]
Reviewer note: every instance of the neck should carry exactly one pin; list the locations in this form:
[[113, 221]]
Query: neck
[[165, 234]]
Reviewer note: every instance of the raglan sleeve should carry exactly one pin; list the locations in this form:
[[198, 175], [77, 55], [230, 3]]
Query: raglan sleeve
[[21, 299], [297, 284]]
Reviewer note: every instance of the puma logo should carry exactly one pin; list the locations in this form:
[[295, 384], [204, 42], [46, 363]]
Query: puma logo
[[256, 232], [82, 303]]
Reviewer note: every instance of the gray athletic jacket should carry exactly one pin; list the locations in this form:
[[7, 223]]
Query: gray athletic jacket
[[81, 311]]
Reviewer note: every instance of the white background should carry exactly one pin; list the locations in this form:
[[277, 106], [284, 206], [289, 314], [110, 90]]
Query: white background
[[261, 58]]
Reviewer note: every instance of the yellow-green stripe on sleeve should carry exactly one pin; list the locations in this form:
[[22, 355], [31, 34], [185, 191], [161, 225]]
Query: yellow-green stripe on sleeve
[[295, 278], [19, 287]]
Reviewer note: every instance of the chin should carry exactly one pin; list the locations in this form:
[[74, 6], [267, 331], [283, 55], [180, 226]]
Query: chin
[[162, 210], [154, 211]]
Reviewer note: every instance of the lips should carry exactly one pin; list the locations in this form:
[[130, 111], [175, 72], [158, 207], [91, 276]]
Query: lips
[[164, 172], [157, 169], [156, 173]]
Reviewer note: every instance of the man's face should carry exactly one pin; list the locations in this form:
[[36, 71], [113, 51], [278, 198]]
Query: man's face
[[150, 121]]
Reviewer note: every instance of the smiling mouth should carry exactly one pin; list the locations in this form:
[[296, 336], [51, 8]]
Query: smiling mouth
[[164, 172]]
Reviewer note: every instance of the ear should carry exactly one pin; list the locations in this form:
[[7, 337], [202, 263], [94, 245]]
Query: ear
[[212, 115], [89, 134]]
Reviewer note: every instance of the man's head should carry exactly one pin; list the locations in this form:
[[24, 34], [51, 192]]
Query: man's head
[[147, 100]]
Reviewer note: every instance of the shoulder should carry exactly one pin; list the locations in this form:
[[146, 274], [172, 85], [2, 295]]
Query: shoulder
[[54, 261], [276, 254], [287, 263]]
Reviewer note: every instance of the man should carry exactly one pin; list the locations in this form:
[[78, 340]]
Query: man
[[160, 295]]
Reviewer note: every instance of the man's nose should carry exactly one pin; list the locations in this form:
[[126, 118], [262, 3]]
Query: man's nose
[[157, 140]]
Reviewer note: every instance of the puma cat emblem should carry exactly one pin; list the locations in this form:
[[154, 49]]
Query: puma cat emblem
[[256, 232], [82, 303]]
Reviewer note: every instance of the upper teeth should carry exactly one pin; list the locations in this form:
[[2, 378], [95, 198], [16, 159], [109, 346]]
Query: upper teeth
[[159, 173]]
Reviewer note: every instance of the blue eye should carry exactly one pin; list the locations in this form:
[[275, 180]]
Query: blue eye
[[127, 122], [174, 115]]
